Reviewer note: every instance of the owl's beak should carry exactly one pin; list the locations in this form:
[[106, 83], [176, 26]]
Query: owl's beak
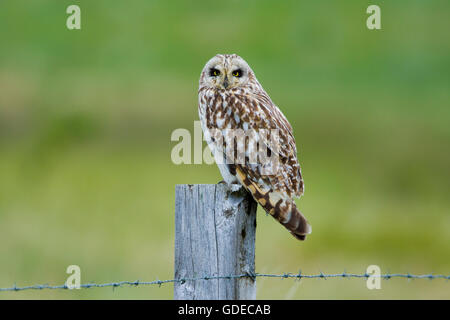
[[225, 82]]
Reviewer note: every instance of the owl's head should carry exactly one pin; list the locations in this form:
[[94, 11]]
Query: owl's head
[[226, 71]]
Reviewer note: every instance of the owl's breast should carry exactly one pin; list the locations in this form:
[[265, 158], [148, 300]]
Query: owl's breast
[[212, 105], [227, 110]]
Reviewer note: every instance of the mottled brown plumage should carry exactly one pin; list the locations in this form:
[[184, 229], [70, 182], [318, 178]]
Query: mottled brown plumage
[[231, 101]]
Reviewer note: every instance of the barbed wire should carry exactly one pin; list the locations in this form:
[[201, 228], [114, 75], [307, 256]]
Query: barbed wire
[[298, 276]]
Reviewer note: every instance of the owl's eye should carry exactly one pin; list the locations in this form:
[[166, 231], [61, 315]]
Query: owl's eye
[[213, 72], [237, 73]]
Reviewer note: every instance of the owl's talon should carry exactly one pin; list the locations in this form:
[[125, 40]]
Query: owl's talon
[[235, 187]]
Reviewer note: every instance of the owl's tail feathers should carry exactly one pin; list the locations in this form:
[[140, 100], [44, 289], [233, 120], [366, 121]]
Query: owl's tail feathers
[[296, 223], [287, 213], [278, 205]]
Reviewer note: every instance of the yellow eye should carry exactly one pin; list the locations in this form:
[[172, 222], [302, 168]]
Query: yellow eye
[[237, 73], [214, 72]]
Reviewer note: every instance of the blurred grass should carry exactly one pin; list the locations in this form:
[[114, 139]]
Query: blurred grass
[[86, 118]]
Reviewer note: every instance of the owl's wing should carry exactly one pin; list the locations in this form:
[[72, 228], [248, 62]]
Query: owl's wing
[[257, 111], [275, 190]]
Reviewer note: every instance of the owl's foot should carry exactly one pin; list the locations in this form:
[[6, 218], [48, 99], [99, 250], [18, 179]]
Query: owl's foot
[[235, 187], [235, 195]]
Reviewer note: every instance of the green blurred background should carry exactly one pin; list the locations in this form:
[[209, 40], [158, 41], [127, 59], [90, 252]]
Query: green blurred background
[[86, 117]]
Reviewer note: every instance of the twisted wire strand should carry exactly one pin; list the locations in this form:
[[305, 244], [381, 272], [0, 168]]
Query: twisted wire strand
[[253, 276]]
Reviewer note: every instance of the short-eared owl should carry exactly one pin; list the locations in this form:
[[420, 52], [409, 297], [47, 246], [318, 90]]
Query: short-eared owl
[[231, 98]]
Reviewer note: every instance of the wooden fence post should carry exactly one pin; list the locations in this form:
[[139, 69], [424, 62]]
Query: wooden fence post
[[214, 236]]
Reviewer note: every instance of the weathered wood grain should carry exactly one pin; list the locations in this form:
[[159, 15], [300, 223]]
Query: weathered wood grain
[[214, 236]]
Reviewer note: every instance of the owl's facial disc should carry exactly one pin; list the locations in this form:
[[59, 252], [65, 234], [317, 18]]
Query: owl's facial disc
[[226, 72], [227, 78]]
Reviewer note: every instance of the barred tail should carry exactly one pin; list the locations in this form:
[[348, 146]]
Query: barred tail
[[297, 224], [279, 206], [287, 213]]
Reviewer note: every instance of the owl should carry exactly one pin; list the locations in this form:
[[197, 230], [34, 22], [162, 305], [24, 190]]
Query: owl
[[231, 100]]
